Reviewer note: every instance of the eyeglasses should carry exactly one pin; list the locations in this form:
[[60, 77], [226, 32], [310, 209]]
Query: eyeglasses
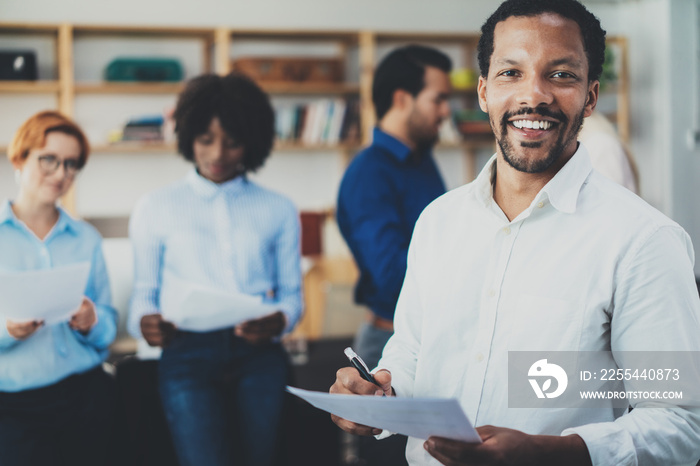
[[50, 163]]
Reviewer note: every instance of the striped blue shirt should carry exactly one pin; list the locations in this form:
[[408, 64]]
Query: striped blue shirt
[[234, 236], [54, 352]]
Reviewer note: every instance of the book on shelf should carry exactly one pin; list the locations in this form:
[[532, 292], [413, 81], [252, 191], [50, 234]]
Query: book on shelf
[[323, 122], [147, 129]]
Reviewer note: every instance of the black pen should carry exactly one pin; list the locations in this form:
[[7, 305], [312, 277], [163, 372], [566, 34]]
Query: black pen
[[360, 365]]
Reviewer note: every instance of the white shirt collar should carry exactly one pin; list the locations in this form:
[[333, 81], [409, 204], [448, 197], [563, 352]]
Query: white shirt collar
[[207, 188], [562, 190]]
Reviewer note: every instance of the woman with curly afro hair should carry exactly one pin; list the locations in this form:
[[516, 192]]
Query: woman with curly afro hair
[[221, 389]]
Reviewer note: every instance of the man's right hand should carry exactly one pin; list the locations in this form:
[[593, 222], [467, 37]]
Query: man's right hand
[[23, 330], [349, 382], [156, 331]]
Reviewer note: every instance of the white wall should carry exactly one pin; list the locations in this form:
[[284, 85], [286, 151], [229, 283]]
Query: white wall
[[684, 117]]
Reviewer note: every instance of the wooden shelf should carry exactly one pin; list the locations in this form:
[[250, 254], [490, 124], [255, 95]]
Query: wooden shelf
[[144, 31], [467, 91], [175, 88], [402, 36], [295, 34], [28, 28], [310, 88], [136, 147], [29, 87], [129, 88], [295, 147]]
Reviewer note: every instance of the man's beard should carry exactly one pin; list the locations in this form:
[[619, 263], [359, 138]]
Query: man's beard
[[421, 134], [566, 136]]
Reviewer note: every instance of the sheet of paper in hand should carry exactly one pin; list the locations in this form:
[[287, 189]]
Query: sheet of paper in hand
[[199, 308], [414, 417], [49, 294]]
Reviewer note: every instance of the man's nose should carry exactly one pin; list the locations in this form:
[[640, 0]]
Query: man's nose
[[535, 91]]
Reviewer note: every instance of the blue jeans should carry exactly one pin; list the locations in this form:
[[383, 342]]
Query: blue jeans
[[222, 398], [370, 342]]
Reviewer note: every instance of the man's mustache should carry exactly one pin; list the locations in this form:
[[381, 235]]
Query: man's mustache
[[544, 111]]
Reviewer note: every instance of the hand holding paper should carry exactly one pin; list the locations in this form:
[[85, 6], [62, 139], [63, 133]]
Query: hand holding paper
[[156, 331], [23, 330], [349, 382], [84, 318], [262, 330]]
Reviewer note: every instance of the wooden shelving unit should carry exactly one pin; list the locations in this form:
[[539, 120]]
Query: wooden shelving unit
[[129, 88], [30, 87], [311, 89], [360, 50]]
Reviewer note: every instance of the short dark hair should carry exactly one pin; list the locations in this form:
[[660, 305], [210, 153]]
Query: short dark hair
[[404, 68], [243, 109], [592, 33]]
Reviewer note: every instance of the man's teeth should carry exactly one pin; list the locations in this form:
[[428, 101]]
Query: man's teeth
[[544, 125]]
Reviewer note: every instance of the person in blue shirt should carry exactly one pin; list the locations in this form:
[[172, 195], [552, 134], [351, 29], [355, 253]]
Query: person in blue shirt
[[384, 190], [56, 402], [222, 391]]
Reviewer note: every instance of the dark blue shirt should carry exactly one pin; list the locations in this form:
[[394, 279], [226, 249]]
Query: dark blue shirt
[[383, 192]]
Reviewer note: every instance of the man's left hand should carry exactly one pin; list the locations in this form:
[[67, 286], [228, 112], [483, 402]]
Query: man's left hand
[[501, 446], [84, 318], [259, 331]]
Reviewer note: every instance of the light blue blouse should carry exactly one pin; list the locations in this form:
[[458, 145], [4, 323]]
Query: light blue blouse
[[235, 236], [54, 352]]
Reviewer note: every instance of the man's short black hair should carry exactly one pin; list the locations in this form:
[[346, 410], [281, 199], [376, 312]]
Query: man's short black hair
[[243, 109], [592, 33], [404, 68]]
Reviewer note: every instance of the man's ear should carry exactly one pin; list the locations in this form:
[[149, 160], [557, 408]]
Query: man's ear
[[591, 98], [481, 92], [401, 99]]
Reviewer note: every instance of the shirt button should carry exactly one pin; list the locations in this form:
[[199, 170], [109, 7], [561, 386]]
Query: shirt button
[[479, 357], [492, 293], [540, 204], [506, 230]]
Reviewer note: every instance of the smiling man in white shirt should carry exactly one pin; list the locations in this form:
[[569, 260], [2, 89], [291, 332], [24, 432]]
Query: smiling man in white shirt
[[541, 253]]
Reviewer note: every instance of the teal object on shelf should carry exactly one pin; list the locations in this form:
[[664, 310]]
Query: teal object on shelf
[[144, 70]]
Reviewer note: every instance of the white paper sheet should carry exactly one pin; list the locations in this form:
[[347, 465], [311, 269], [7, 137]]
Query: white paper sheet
[[198, 308], [414, 417], [48, 294]]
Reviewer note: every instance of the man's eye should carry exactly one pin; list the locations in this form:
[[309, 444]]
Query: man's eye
[[509, 73], [563, 75], [206, 140]]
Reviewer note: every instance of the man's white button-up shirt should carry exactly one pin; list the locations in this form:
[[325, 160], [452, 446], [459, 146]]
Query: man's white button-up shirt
[[588, 266]]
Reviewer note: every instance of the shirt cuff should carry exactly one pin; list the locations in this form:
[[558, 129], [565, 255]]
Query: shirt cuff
[[608, 444], [385, 434], [290, 320]]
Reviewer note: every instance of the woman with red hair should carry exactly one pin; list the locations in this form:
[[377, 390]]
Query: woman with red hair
[[56, 402]]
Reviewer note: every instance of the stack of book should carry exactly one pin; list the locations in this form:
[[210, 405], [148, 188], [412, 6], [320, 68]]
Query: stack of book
[[149, 128], [324, 122]]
